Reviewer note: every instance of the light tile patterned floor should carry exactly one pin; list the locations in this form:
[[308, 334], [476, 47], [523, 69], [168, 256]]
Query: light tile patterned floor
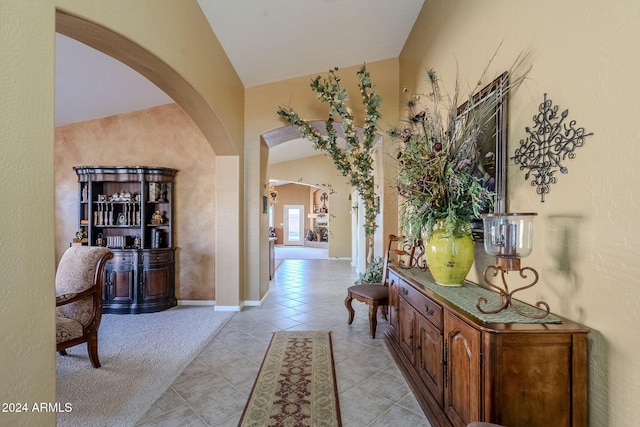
[[304, 295]]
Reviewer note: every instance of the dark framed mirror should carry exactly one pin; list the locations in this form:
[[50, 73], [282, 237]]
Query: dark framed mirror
[[492, 156]]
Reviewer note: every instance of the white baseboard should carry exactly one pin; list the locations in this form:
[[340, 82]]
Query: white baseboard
[[228, 307], [246, 303], [254, 303], [196, 302]]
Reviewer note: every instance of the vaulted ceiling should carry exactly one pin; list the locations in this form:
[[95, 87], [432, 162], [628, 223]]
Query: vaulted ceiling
[[265, 40]]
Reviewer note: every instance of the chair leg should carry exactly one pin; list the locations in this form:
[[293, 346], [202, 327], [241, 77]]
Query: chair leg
[[373, 319], [383, 311], [347, 303], [92, 347]]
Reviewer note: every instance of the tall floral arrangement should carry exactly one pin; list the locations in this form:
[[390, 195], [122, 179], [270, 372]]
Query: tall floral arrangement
[[355, 161], [437, 156]]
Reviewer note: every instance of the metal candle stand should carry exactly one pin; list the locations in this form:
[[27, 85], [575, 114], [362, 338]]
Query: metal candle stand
[[508, 236]]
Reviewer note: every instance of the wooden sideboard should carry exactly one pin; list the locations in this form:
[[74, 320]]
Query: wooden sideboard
[[463, 367]]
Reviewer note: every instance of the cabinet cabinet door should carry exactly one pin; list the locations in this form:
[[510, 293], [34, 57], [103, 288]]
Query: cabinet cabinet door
[[430, 357], [462, 381], [157, 275], [405, 328], [120, 279], [155, 282]]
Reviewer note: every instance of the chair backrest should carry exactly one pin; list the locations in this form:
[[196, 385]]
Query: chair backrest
[[404, 253], [80, 268]]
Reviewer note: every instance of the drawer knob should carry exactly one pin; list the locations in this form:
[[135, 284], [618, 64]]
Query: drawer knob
[[405, 291], [157, 257], [428, 311]]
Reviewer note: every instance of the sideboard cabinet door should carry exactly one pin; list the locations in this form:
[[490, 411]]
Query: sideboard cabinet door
[[430, 356], [462, 383], [405, 329]]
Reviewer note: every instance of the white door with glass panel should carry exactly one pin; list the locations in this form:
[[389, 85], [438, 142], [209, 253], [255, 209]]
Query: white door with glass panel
[[293, 225]]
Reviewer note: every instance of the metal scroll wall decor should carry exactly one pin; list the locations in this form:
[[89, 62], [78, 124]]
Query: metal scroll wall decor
[[551, 141]]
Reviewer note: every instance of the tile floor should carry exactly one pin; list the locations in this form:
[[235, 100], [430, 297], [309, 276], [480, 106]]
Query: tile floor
[[304, 295]]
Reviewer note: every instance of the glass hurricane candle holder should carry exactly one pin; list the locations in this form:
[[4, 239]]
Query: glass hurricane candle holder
[[509, 237]]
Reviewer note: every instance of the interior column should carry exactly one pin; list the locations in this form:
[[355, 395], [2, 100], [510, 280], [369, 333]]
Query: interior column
[[229, 236]]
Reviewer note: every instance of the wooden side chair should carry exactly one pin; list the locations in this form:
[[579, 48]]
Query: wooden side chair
[[399, 251], [79, 281]]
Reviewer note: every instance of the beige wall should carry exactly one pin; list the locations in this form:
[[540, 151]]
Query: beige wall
[[587, 237], [161, 136], [192, 58]]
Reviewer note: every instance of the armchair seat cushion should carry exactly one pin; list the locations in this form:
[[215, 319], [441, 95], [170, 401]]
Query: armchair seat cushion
[[373, 292], [67, 329]]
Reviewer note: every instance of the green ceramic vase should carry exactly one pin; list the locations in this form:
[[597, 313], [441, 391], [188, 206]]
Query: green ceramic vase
[[449, 258]]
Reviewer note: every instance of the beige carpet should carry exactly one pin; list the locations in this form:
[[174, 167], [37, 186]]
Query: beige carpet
[[296, 385], [141, 356]]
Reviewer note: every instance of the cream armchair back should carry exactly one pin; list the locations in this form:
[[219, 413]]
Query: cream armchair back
[[79, 282]]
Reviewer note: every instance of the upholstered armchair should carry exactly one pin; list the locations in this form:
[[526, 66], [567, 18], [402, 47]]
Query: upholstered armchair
[[79, 282]]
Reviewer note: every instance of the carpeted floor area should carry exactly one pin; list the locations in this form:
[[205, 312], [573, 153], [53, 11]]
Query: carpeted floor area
[[296, 384], [141, 356]]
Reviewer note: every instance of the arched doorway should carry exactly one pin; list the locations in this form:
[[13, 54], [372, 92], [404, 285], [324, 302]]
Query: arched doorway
[[200, 111], [301, 169]]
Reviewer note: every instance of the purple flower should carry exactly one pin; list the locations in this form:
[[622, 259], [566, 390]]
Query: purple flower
[[463, 164], [407, 135]]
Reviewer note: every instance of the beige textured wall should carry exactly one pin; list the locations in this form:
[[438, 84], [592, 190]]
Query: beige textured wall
[[161, 136], [587, 236], [27, 266], [27, 362]]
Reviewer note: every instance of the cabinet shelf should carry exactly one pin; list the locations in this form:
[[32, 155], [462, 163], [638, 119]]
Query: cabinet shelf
[[117, 226]]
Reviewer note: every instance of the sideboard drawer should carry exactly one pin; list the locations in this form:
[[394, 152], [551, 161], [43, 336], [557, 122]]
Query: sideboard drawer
[[422, 304]]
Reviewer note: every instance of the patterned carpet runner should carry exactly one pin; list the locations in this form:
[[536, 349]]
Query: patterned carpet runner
[[296, 385]]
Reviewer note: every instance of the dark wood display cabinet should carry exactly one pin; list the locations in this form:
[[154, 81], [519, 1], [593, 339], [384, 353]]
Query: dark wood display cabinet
[[464, 366], [130, 210]]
